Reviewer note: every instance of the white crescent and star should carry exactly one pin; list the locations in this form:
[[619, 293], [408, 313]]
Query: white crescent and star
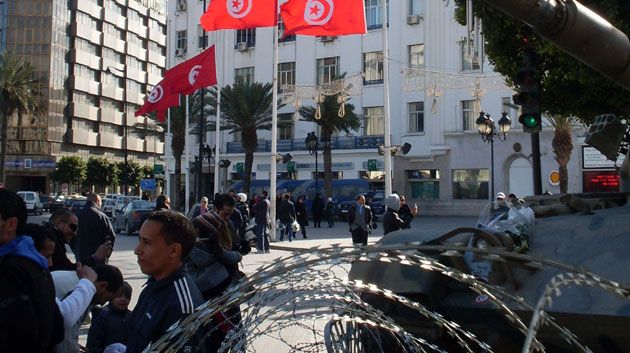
[[192, 75], [318, 12], [156, 94], [239, 8]]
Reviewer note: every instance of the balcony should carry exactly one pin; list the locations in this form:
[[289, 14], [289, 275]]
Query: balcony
[[87, 7], [85, 58], [115, 19], [110, 140], [89, 34], [113, 92], [336, 143], [157, 58], [113, 42], [84, 111], [157, 37], [111, 116], [85, 85]]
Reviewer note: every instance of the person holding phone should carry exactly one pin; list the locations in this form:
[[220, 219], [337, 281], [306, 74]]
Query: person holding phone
[[407, 213]]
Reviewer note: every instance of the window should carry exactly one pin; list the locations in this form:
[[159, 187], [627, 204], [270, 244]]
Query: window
[[286, 75], [425, 184], [416, 116], [415, 56], [246, 36], [111, 80], [373, 13], [202, 38], [182, 40], [285, 126], [374, 123], [327, 70], [86, 46], [85, 72], [470, 184], [416, 7], [373, 68], [245, 73], [470, 62], [468, 115], [281, 28]]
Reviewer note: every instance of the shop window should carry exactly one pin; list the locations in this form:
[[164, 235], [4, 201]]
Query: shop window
[[470, 184]]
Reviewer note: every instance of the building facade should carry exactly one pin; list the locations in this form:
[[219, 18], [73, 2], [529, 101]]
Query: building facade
[[95, 60], [448, 170]]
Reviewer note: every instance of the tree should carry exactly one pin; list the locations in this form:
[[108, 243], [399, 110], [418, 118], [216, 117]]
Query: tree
[[329, 123], [569, 87], [71, 170], [129, 174], [562, 145], [19, 93], [246, 108], [100, 172]]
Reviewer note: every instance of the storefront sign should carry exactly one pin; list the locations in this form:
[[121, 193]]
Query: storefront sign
[[29, 164], [306, 166], [603, 181], [593, 159]]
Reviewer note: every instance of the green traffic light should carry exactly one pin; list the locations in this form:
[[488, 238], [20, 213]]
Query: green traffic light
[[530, 121]]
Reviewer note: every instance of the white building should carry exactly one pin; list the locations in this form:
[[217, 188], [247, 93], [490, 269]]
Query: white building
[[448, 167]]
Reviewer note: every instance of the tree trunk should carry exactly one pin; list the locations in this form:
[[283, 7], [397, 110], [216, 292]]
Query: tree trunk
[[327, 165], [3, 144], [564, 178], [177, 201]]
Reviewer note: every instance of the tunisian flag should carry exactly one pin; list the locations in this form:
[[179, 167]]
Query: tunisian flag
[[323, 17], [195, 73], [239, 14], [159, 100]]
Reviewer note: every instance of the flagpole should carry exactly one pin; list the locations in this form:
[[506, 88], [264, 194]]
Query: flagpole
[[217, 135], [167, 173], [386, 117], [274, 129], [187, 196]]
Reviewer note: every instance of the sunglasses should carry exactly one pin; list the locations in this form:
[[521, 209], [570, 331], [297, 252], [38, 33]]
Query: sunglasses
[[203, 202], [73, 226]]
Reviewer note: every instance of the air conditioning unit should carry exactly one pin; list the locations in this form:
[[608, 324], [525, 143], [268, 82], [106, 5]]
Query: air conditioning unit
[[179, 52], [181, 5], [242, 46], [327, 38], [414, 19]]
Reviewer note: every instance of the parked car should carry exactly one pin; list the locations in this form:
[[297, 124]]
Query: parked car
[[46, 202], [33, 203], [130, 217], [341, 211], [120, 203], [57, 203], [107, 206]]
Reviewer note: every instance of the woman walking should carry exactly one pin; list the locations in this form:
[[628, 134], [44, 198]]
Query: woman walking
[[302, 216]]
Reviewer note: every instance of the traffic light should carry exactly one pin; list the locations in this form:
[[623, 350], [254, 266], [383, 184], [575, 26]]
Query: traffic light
[[291, 167], [372, 165], [528, 94]]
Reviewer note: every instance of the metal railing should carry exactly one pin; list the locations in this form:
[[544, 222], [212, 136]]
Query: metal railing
[[336, 143]]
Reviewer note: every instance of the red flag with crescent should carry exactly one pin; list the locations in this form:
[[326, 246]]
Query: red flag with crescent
[[323, 17], [195, 73], [159, 100], [239, 14]]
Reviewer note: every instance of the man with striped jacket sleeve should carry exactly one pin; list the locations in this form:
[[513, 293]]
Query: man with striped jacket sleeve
[[166, 239]]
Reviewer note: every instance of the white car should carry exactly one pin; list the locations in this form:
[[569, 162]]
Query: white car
[[120, 202], [33, 204]]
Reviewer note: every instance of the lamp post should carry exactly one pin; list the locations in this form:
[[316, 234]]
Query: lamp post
[[110, 69], [312, 147], [488, 131], [209, 153]]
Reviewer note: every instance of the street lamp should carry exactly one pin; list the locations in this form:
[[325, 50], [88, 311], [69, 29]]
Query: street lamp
[[312, 147], [488, 131], [111, 69]]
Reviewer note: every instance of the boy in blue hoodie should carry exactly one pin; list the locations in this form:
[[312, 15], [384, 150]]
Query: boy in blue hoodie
[[27, 290]]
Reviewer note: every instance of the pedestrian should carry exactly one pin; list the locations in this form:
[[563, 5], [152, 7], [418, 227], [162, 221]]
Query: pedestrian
[[165, 240], [108, 327], [30, 320], [329, 212], [108, 282], [407, 213], [202, 208], [162, 202], [64, 226], [287, 215], [225, 207], [302, 216], [94, 227], [391, 220], [263, 220], [317, 209], [360, 220]]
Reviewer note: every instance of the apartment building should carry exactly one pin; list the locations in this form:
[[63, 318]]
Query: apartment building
[[95, 60], [448, 169]]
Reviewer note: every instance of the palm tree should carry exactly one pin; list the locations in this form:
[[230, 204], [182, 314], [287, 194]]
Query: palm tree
[[246, 108], [329, 123], [19, 93], [562, 145]]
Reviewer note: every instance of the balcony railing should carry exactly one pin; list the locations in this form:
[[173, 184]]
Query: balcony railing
[[336, 143]]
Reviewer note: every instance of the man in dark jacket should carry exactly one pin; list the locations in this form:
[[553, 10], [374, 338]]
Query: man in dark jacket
[[360, 220], [286, 214], [166, 239], [30, 320], [64, 226], [95, 228], [406, 213], [261, 209], [317, 208], [391, 220]]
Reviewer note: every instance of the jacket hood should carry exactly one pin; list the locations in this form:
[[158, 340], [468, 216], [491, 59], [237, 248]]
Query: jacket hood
[[23, 246], [393, 201]]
